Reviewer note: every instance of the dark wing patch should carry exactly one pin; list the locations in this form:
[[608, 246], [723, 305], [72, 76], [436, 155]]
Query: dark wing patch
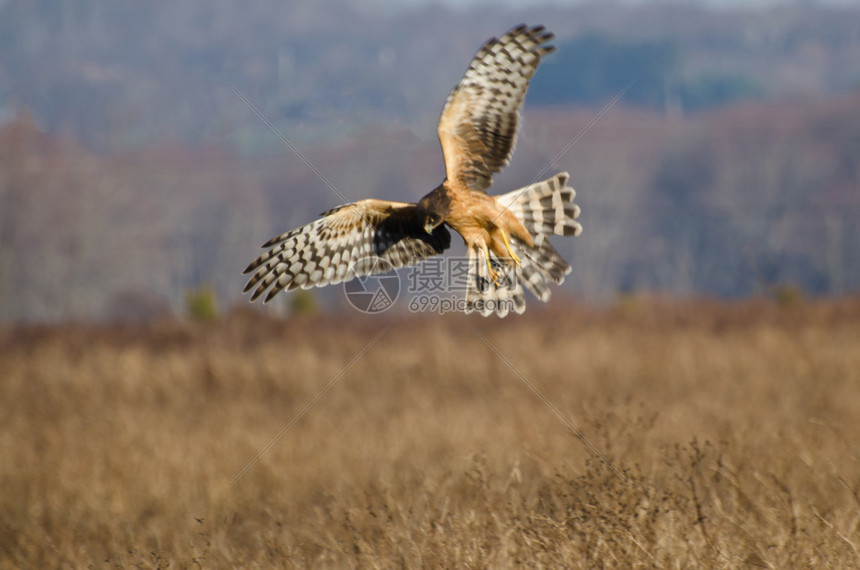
[[479, 123], [346, 242]]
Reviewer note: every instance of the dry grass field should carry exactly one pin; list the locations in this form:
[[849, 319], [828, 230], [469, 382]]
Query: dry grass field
[[737, 427]]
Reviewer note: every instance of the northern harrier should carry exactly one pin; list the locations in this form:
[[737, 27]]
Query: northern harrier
[[503, 234]]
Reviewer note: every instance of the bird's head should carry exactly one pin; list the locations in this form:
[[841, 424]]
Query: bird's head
[[432, 220], [432, 210]]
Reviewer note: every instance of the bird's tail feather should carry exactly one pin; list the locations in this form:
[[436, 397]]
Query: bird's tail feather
[[544, 208], [485, 296]]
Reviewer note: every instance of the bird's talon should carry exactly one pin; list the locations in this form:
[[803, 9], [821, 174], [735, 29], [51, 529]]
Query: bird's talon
[[494, 275]]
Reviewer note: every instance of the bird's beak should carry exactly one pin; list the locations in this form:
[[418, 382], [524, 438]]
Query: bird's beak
[[428, 227]]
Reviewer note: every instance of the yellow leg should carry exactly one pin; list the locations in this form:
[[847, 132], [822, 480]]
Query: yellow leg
[[494, 275], [513, 255]]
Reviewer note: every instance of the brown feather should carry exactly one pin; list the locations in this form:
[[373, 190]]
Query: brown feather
[[479, 123]]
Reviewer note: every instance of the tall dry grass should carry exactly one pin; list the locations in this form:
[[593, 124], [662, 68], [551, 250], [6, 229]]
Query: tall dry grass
[[737, 427]]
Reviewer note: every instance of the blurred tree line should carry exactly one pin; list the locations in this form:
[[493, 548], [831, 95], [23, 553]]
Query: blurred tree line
[[121, 75], [730, 203], [594, 68], [132, 176]]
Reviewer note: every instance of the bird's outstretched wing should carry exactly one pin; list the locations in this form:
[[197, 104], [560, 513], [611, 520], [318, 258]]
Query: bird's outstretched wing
[[347, 241], [478, 126]]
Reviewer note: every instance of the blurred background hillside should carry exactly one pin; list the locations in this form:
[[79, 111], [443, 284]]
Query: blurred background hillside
[[131, 173]]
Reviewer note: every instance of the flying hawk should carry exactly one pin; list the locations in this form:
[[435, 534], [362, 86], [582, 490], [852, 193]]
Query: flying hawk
[[506, 234]]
